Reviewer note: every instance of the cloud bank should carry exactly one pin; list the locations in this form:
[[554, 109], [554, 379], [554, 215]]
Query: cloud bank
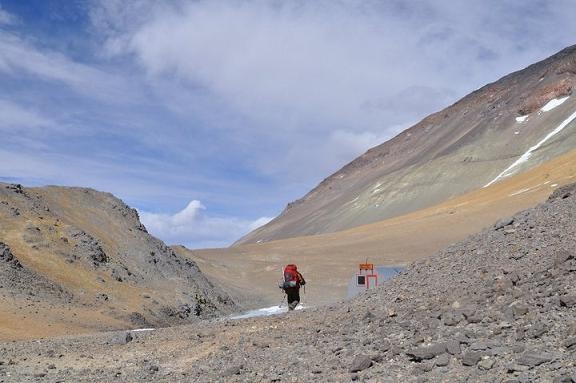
[[293, 75], [193, 228], [243, 105]]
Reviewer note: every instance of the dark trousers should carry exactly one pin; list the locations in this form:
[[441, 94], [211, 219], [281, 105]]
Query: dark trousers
[[293, 294]]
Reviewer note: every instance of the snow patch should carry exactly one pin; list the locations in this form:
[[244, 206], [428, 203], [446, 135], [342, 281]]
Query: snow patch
[[526, 156], [353, 201], [519, 192], [553, 104], [264, 312], [521, 118]]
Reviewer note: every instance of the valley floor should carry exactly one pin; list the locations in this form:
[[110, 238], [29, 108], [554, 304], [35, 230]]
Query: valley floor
[[497, 307]]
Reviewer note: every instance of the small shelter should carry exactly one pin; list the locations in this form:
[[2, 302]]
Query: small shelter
[[367, 277]]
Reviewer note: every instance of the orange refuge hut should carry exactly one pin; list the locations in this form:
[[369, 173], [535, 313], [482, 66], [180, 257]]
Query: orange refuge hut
[[366, 277]]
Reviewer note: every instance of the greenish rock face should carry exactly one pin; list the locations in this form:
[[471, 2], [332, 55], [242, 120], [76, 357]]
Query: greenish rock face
[[503, 129]]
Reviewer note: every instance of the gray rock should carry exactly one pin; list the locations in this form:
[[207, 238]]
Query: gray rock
[[534, 358], [153, 369], [486, 364], [384, 346], [453, 347], [233, 370], [538, 330], [518, 348], [479, 346], [568, 300], [424, 353], [520, 309], [502, 285], [570, 343], [360, 363], [514, 278], [503, 223], [451, 319], [475, 318], [517, 368], [122, 338], [562, 256], [471, 358], [442, 360]]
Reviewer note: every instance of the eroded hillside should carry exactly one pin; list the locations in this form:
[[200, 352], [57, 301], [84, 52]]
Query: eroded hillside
[[76, 260]]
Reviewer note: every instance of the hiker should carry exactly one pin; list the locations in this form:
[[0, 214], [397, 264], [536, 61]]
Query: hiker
[[291, 285]]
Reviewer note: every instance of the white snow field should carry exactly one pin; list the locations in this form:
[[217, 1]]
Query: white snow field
[[524, 157], [264, 312], [553, 104]]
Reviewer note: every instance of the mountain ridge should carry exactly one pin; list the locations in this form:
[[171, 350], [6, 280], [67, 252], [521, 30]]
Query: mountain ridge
[[470, 142], [69, 252]]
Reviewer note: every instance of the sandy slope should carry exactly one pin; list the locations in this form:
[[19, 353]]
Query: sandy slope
[[328, 261], [75, 260]]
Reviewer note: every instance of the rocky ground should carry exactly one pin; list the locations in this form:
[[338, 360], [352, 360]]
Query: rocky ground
[[497, 307]]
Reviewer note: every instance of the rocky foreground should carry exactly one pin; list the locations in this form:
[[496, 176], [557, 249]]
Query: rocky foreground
[[497, 307]]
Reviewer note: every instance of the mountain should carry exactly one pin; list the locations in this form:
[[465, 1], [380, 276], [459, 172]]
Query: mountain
[[504, 128], [76, 260], [250, 272], [499, 306]]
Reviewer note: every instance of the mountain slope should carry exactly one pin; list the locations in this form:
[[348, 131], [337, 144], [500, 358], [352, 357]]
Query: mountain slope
[[462, 148], [329, 260], [74, 259]]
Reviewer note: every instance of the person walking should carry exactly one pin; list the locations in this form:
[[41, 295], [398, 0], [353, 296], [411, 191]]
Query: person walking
[[291, 285]]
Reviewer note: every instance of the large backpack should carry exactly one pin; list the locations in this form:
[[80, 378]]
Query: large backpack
[[291, 276]]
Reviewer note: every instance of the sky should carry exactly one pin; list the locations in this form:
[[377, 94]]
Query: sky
[[209, 116]]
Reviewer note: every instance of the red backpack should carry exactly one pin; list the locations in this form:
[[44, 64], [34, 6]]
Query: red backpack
[[291, 276]]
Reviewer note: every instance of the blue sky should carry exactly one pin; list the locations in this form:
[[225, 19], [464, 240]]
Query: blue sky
[[210, 116]]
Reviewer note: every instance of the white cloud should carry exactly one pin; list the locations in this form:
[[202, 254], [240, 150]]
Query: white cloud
[[194, 228], [19, 56], [286, 75], [316, 65], [227, 100], [17, 117]]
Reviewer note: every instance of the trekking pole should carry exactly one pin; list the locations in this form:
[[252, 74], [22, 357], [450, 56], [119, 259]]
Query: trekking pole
[[283, 298]]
